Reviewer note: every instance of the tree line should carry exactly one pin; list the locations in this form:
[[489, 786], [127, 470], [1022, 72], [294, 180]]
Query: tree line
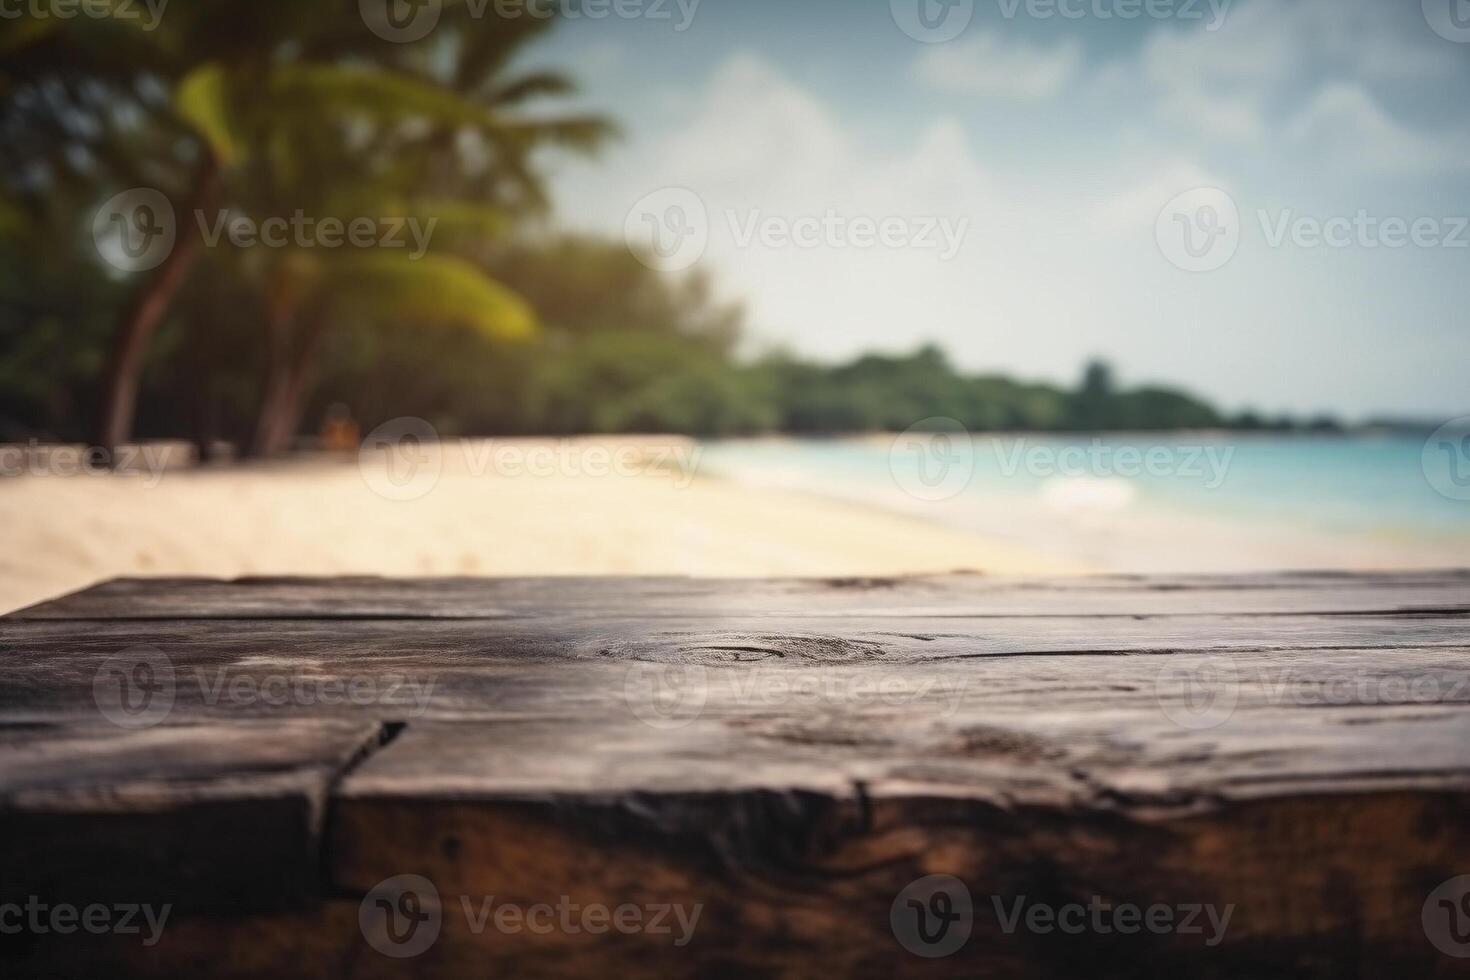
[[237, 114]]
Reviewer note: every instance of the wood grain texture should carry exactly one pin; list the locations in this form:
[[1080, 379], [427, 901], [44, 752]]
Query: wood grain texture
[[786, 755], [654, 597], [212, 816]]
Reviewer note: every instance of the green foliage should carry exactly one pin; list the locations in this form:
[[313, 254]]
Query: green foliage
[[433, 289], [625, 349], [268, 107], [636, 381], [203, 101], [53, 327], [583, 286]]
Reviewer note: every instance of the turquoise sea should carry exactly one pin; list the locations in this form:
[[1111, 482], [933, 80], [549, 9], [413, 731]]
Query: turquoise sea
[[1390, 489]]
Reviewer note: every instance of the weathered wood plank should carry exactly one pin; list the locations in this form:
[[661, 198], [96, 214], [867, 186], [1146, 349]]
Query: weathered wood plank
[[956, 595], [796, 830], [397, 671], [795, 638], [799, 884], [217, 816], [785, 755], [1307, 897], [1132, 758]]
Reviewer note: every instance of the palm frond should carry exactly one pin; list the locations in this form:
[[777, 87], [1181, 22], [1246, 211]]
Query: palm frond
[[533, 85], [203, 100], [432, 289]]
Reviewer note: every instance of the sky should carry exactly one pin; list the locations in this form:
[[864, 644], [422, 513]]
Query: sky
[[1264, 201]]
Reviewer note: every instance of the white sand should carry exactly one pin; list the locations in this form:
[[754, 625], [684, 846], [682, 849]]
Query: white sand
[[608, 506], [483, 515]]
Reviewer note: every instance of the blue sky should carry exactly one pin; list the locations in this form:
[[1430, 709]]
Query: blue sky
[[1060, 141]]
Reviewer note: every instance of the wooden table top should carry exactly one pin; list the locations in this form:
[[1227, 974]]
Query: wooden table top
[[797, 759]]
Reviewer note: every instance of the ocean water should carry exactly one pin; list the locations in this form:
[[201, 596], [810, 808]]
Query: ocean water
[[1087, 496]]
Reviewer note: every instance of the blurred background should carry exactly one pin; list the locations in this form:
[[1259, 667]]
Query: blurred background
[[713, 287]]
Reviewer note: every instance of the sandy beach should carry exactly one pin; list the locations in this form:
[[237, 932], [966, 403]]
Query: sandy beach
[[507, 507], [597, 506]]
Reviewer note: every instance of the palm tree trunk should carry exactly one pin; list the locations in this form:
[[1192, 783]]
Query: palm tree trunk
[[288, 379], [281, 413], [124, 368]]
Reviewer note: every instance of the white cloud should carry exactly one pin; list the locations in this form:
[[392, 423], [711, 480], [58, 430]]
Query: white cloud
[[603, 57], [1256, 48], [758, 142], [1344, 123], [1251, 82], [753, 133], [1134, 209], [986, 65], [1060, 259], [1236, 119]]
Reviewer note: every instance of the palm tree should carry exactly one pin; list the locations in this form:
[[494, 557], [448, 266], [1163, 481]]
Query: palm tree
[[446, 118], [274, 106], [88, 102]]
